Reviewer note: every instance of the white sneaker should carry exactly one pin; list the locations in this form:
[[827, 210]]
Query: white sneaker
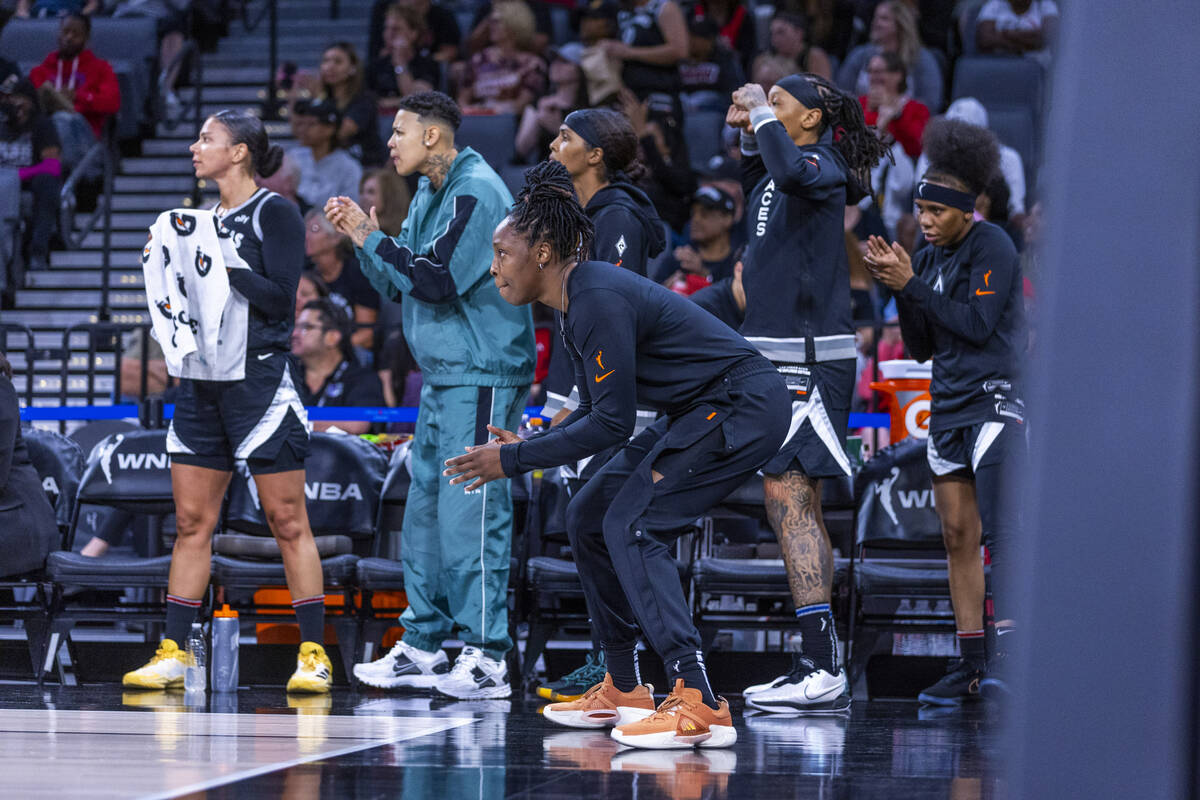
[[806, 690], [475, 677], [404, 666], [762, 687]]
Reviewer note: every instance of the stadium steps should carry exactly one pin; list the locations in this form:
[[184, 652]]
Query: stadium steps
[[160, 178]]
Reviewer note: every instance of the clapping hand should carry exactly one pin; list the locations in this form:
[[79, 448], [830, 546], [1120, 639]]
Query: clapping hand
[[351, 220], [481, 463], [888, 264]]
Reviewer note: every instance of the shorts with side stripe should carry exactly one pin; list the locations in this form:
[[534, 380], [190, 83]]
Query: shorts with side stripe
[[260, 419], [962, 451], [816, 443]]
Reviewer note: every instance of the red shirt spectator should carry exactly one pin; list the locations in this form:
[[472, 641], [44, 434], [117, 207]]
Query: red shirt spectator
[[77, 73], [888, 107]]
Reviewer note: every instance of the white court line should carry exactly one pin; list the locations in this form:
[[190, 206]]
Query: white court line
[[449, 724], [365, 732]]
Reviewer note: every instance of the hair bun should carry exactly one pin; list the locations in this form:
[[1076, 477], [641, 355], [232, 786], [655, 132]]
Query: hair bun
[[271, 161]]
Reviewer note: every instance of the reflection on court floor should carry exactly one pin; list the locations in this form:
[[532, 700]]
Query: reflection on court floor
[[133, 754]]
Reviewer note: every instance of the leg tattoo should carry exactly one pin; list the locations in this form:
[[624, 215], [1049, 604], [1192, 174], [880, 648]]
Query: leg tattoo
[[791, 502]]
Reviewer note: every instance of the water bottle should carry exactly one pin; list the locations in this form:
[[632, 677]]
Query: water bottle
[[194, 678], [225, 650]]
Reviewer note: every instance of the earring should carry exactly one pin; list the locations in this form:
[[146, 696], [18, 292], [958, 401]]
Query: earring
[[541, 266]]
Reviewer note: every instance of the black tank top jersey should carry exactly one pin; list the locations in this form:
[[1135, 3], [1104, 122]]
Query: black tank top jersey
[[797, 275], [269, 235], [639, 28], [964, 309]]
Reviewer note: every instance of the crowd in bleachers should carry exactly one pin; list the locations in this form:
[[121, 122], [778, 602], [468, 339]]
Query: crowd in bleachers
[[517, 67]]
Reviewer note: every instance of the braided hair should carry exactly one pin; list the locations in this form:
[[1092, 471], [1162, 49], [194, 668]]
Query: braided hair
[[858, 144], [547, 209], [620, 145]]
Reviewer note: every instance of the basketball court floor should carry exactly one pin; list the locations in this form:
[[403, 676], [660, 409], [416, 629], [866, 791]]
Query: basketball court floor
[[100, 742]]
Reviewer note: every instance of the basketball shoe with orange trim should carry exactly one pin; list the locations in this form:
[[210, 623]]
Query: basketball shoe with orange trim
[[604, 705], [683, 720]]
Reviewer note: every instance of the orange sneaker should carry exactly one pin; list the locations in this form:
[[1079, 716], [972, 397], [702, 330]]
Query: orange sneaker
[[683, 720], [603, 705]]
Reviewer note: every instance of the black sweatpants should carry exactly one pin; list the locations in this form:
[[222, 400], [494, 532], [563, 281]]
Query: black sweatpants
[[621, 524]]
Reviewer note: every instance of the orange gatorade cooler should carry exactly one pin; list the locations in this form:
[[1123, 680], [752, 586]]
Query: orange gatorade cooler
[[908, 384]]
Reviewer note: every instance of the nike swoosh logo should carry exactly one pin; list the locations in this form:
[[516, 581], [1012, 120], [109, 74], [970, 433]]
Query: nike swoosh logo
[[600, 378], [265, 356], [981, 292], [819, 695]]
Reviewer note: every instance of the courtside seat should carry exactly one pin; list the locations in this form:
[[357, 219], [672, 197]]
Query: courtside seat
[[381, 574], [339, 571], [900, 581], [108, 572], [344, 478], [491, 135], [758, 577], [129, 470]]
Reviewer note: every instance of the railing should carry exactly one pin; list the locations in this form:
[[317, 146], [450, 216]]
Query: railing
[[30, 354]]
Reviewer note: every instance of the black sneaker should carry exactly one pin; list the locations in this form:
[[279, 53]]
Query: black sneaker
[[959, 684], [996, 686]]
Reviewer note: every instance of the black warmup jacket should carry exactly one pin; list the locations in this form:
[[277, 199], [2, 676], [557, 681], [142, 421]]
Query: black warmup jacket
[[963, 308], [628, 234], [632, 343], [797, 276]]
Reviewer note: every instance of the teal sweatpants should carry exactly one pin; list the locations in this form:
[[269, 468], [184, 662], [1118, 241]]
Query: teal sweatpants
[[456, 545]]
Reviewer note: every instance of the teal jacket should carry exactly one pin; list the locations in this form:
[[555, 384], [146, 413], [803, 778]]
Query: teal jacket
[[461, 332]]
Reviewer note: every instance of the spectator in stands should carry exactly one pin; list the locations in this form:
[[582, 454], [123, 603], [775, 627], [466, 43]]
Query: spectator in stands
[[330, 372], [28, 530], [326, 170], [78, 80], [386, 192], [341, 80], [709, 255], [725, 299], [789, 38], [481, 35], [286, 181], [1024, 27], [311, 286], [831, 23], [539, 124], [171, 17], [139, 346], [597, 24], [398, 372], [887, 105], [770, 68], [894, 30], [29, 159], [669, 182], [970, 110], [440, 35], [711, 72], [57, 8], [10, 71], [402, 67], [505, 77], [735, 25], [332, 255], [654, 39]]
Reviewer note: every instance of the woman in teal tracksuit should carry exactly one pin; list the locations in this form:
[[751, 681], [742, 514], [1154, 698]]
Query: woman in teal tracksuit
[[476, 354]]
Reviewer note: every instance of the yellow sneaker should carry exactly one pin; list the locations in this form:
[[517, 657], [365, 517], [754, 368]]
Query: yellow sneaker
[[683, 720], [314, 672], [165, 670]]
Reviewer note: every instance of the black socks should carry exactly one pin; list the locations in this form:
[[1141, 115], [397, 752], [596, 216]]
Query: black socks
[[818, 639], [622, 664], [181, 613]]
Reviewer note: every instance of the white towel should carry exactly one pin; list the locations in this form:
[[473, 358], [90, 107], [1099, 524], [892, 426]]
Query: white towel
[[198, 320]]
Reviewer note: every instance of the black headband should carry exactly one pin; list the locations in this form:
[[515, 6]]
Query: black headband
[[804, 91], [953, 198], [583, 122]]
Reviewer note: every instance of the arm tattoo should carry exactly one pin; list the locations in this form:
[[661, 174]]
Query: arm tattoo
[[362, 230], [791, 502]]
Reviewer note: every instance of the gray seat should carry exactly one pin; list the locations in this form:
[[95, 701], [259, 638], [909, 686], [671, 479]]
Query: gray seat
[[382, 574], [108, 572], [702, 131], [1015, 127], [491, 135], [1001, 81], [227, 571]]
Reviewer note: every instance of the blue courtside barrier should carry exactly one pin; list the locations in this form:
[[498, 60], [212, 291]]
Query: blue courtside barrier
[[322, 413]]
